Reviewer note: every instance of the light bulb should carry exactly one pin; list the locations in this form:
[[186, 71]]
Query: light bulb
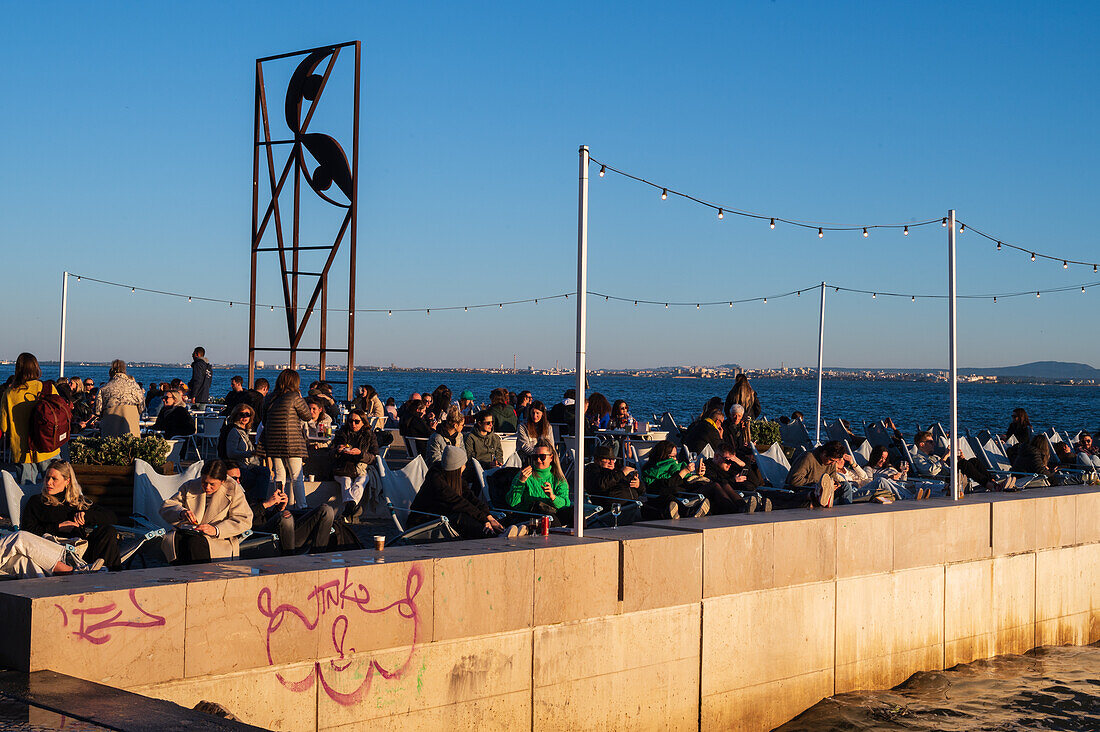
[[874, 295], [1082, 289], [820, 233], [944, 222], [465, 309], [720, 214], [914, 298], [696, 306], [78, 279], [428, 311], [230, 303], [998, 246], [635, 303], [272, 308], [1094, 268], [772, 224], [603, 169], [389, 313], [1065, 265], [1036, 294], [666, 306], [605, 298], [664, 194], [906, 232], [864, 232], [133, 289], [994, 301], [798, 294], [962, 228], [1033, 256], [536, 301], [765, 301], [836, 289], [502, 306], [731, 304], [188, 299]]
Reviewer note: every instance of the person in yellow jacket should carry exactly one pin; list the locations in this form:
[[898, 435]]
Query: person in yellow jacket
[[17, 417]]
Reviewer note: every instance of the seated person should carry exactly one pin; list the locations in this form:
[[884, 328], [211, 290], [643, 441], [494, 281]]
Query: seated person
[[297, 529], [320, 423], [62, 510], [322, 392], [1034, 457], [1086, 445], [445, 493], [210, 514], [466, 404], [879, 468], [666, 477], [174, 420], [235, 444], [930, 464], [620, 418], [738, 431], [726, 467], [813, 475], [504, 417], [353, 450], [855, 485], [534, 428], [540, 487], [607, 484], [706, 431], [27, 555], [392, 420], [234, 396], [449, 432], [483, 444], [413, 424], [564, 412]]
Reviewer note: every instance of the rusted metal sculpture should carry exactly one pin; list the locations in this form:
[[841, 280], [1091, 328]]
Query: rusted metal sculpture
[[319, 160]]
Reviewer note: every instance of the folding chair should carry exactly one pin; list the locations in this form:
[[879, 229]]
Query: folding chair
[[399, 489], [415, 446], [773, 466], [878, 434], [794, 434], [991, 453]]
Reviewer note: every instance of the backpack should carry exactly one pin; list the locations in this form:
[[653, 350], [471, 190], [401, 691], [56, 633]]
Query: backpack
[[50, 420]]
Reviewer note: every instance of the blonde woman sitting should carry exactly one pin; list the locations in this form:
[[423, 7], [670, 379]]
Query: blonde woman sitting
[[62, 510]]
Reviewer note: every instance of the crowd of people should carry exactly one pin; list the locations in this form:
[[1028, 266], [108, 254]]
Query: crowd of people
[[273, 436]]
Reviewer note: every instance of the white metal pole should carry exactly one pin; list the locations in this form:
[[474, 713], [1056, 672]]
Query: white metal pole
[[953, 375], [820, 350], [64, 310], [582, 304]]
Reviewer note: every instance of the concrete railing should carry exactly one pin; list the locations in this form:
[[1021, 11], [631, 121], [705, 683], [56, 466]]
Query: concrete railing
[[729, 622]]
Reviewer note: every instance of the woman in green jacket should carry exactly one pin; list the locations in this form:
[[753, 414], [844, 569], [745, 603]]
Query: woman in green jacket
[[541, 487], [666, 476]]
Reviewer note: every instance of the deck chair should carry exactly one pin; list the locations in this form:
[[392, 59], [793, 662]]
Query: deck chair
[[773, 465], [992, 454], [151, 490], [794, 434], [878, 434], [939, 434], [508, 445], [415, 446], [835, 430], [208, 437], [862, 454], [1073, 472], [668, 424], [399, 489]]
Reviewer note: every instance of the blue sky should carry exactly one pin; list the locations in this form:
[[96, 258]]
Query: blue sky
[[127, 157]]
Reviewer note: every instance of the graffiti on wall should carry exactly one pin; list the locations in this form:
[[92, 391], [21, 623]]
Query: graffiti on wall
[[93, 623], [333, 608]]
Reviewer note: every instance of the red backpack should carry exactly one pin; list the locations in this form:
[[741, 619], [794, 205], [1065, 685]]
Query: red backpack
[[50, 422]]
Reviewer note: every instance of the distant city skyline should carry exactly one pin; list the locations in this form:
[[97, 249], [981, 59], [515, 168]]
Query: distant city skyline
[[129, 160]]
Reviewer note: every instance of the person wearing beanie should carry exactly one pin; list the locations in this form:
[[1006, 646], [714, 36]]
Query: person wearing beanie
[[444, 493]]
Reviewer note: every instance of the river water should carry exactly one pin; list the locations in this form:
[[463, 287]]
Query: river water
[[1045, 689], [909, 403]]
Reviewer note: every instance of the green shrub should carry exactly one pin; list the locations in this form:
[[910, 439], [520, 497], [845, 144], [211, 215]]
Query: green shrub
[[765, 432], [118, 450]]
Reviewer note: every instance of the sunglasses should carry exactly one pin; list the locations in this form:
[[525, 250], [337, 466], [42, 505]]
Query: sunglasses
[[244, 414], [357, 421], [543, 456]]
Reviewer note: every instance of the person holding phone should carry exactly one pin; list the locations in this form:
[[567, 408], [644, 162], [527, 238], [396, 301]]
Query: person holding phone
[[210, 513]]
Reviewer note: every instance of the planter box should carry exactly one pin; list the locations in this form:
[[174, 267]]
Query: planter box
[[112, 486]]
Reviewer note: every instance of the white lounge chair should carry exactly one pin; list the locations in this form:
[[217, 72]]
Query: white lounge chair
[[151, 490]]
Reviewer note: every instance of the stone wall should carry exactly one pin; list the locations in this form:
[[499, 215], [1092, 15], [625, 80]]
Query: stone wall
[[727, 622]]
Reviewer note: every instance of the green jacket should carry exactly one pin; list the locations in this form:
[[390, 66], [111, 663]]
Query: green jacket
[[524, 494], [662, 470]]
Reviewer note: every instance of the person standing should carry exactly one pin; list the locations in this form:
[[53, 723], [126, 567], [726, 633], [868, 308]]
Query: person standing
[[119, 403], [202, 373], [17, 418], [283, 439]]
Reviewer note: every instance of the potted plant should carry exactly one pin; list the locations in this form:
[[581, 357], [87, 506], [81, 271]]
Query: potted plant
[[105, 467], [764, 434]]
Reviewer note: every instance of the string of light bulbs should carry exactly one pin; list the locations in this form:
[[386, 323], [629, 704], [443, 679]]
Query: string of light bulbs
[[722, 210], [1066, 262], [618, 298], [823, 227]]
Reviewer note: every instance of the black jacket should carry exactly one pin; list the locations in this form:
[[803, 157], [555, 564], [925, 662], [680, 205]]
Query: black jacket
[[436, 497], [201, 376], [702, 432], [175, 421], [413, 425], [564, 414], [610, 482], [347, 465]]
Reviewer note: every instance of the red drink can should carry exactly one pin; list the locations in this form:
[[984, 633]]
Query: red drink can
[[544, 526]]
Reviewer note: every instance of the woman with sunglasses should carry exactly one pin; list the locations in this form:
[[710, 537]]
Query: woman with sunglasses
[[174, 420], [541, 487], [353, 450], [235, 444]]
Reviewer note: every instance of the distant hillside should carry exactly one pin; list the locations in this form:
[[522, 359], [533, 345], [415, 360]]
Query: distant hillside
[[1040, 370]]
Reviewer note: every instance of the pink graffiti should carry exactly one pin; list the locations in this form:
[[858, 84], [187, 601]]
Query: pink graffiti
[[96, 632], [339, 598]]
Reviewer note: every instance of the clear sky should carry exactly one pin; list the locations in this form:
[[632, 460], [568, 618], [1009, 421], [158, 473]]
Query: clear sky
[[127, 157]]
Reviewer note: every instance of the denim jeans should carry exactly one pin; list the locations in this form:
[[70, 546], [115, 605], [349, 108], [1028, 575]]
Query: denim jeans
[[32, 471]]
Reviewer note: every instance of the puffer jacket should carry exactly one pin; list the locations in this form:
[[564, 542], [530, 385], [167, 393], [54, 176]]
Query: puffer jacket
[[282, 435]]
